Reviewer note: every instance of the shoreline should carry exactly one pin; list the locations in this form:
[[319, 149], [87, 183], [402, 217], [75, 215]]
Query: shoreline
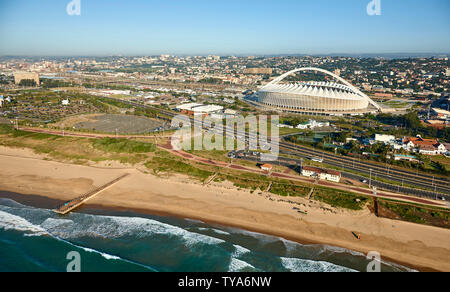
[[43, 202], [420, 247]]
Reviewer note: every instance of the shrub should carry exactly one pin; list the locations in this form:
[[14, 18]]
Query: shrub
[[123, 146]]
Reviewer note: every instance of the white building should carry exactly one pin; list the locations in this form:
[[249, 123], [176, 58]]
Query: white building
[[387, 139], [229, 113], [187, 106], [441, 114], [398, 145], [115, 92], [424, 146], [65, 102], [199, 109], [218, 116], [312, 124], [303, 126], [309, 171], [229, 100], [267, 167], [207, 109], [323, 174], [328, 175], [432, 150], [285, 126]]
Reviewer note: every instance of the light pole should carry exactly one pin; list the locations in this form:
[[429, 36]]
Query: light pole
[[370, 179], [435, 188]]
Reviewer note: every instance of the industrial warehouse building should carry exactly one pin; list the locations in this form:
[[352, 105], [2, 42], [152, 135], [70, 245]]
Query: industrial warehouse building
[[194, 109], [326, 98]]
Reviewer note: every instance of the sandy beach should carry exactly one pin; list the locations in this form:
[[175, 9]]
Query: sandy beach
[[418, 246]]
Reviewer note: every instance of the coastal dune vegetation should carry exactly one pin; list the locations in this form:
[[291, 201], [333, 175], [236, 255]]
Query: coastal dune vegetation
[[160, 162]]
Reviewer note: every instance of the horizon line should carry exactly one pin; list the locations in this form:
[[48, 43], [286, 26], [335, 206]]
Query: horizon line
[[232, 55]]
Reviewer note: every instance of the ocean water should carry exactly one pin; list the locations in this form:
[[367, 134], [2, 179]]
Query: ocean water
[[34, 239]]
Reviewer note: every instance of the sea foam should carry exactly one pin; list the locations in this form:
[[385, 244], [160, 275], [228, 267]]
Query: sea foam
[[301, 265], [237, 265], [13, 222]]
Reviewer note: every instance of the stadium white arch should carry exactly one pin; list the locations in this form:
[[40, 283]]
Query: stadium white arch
[[355, 90]]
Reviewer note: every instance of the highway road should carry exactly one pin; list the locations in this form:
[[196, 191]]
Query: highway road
[[435, 186], [438, 185], [294, 163]]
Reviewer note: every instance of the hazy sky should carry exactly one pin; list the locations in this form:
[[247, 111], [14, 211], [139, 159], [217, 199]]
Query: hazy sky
[[254, 27]]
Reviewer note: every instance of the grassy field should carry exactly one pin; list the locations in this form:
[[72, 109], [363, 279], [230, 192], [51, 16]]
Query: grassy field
[[84, 150], [78, 150], [441, 159], [414, 213], [341, 199], [123, 146], [397, 104], [123, 124], [247, 181], [285, 188], [164, 162], [290, 190]]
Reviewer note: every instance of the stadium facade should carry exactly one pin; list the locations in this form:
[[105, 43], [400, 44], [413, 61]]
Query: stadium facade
[[326, 98]]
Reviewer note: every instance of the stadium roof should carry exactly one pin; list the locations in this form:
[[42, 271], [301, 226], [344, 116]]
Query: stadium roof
[[321, 89], [344, 91]]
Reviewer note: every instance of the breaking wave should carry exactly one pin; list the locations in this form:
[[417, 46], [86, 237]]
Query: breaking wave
[[300, 265], [167, 244]]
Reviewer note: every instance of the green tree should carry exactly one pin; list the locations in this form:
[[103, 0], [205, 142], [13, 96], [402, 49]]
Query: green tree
[[27, 83], [412, 121]]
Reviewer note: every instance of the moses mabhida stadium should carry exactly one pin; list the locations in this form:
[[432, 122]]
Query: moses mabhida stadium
[[315, 97]]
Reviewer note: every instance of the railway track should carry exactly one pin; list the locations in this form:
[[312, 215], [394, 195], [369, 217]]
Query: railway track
[[389, 169], [421, 180], [436, 185]]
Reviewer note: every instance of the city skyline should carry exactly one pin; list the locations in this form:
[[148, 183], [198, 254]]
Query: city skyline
[[138, 27]]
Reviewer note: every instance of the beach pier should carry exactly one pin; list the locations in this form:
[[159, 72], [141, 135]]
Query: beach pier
[[77, 202]]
